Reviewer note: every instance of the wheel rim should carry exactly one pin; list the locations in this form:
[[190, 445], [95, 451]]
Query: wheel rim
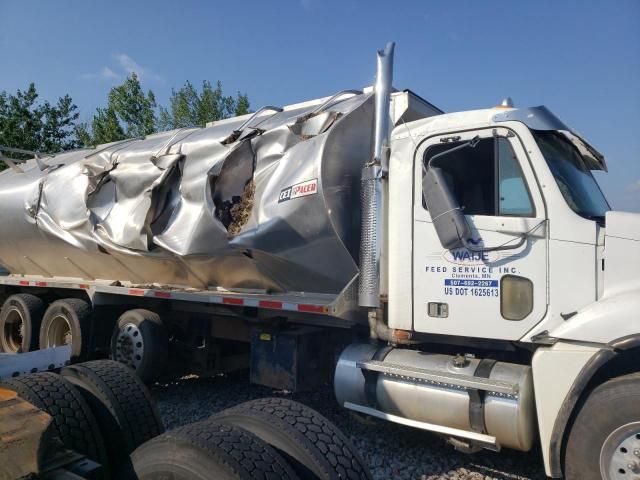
[[13, 332], [59, 332], [129, 347], [620, 454]]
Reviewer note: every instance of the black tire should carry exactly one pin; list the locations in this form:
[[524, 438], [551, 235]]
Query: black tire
[[313, 446], [73, 421], [67, 322], [605, 411], [121, 403], [20, 319], [206, 450], [140, 341]]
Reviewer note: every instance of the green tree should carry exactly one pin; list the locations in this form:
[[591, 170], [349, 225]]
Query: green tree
[[135, 109], [189, 107], [129, 113], [27, 124], [105, 128]]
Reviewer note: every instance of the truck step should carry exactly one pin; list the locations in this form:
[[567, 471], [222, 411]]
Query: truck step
[[440, 378], [485, 441]]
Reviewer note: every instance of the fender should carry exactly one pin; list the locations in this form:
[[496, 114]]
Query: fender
[[613, 325], [602, 322]]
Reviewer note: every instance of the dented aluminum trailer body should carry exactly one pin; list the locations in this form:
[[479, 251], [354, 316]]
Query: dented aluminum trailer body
[[267, 203]]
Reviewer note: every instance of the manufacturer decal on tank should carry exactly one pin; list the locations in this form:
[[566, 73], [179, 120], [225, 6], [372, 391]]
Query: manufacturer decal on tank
[[302, 189]]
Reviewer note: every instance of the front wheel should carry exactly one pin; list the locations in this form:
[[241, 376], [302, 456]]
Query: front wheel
[[604, 442]]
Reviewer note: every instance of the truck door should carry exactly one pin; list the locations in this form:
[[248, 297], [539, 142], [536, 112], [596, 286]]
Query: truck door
[[493, 294]]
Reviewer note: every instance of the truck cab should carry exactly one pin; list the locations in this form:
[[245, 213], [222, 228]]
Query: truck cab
[[501, 246]]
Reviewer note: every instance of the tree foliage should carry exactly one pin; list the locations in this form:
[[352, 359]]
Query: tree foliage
[[189, 107], [129, 113], [42, 127]]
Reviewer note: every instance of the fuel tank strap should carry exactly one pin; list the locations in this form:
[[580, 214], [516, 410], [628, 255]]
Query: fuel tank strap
[[476, 397], [371, 377]]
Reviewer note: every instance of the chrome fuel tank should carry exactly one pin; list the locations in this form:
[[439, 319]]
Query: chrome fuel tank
[[437, 390]]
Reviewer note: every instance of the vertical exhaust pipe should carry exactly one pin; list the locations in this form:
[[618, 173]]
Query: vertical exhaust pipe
[[384, 79], [371, 187]]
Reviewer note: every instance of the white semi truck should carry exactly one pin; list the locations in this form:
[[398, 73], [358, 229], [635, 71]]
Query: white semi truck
[[460, 273]]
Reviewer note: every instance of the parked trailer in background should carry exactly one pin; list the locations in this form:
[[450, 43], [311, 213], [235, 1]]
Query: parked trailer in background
[[465, 269]]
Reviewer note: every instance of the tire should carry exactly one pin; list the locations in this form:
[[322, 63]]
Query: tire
[[606, 432], [67, 322], [20, 320], [73, 421], [140, 341], [313, 446], [121, 403], [206, 450]]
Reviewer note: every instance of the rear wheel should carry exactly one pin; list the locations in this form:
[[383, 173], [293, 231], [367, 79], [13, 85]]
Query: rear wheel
[[67, 322], [20, 319], [312, 445], [604, 442], [206, 450], [73, 420], [123, 407], [140, 341]]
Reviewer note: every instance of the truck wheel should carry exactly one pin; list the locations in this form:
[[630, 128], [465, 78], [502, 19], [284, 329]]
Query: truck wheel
[[205, 450], [604, 442], [313, 446], [140, 341], [20, 318], [121, 403], [73, 421], [67, 322]]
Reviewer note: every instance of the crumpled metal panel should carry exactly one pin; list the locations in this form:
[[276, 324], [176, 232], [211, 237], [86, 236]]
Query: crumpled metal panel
[[275, 210]]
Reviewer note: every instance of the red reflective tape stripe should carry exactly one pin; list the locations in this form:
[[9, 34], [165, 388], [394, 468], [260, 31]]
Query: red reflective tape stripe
[[311, 308], [41, 284], [269, 304], [136, 291], [233, 301], [162, 294], [24, 283], [84, 286]]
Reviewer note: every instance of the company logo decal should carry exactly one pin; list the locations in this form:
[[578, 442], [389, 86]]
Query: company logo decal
[[465, 257], [303, 189]]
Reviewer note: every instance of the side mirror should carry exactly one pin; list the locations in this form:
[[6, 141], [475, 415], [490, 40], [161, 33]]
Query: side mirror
[[446, 214]]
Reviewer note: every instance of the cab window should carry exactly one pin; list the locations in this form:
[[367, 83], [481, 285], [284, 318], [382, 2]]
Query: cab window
[[485, 179]]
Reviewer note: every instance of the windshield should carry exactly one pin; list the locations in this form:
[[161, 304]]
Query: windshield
[[572, 174]]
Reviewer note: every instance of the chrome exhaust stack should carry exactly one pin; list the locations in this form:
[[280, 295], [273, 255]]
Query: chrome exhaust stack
[[371, 186]]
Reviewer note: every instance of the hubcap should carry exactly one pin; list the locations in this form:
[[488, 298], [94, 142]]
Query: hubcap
[[13, 331], [620, 454], [59, 332], [129, 347]]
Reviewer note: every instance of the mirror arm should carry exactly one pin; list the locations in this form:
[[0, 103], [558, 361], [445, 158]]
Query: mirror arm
[[473, 248], [471, 143]]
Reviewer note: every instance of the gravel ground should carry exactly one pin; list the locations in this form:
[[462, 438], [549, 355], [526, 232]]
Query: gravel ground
[[392, 451]]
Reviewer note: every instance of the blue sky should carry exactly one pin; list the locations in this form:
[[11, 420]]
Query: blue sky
[[580, 58]]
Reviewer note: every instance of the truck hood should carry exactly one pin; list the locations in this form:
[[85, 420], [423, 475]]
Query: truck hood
[[621, 252], [623, 225]]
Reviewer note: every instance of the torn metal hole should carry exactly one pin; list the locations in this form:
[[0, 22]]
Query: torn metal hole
[[242, 135], [233, 188], [235, 213], [312, 124]]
